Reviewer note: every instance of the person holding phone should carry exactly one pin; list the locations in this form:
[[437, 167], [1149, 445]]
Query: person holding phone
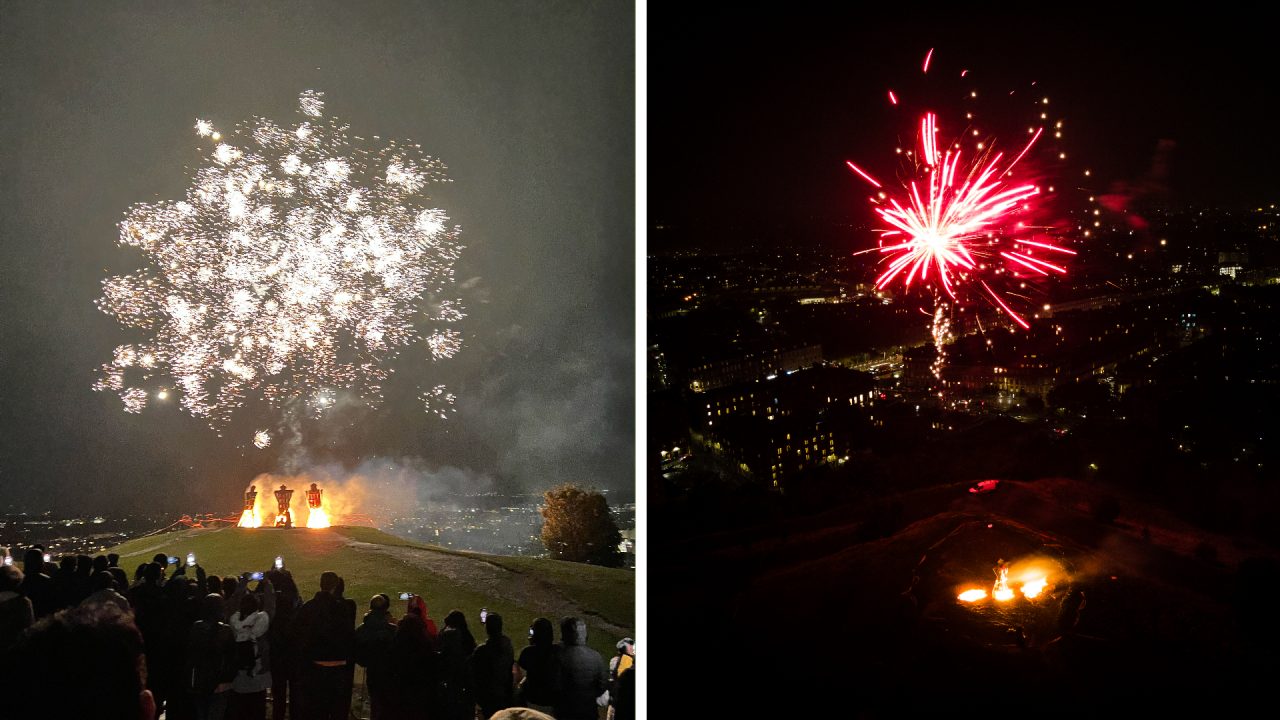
[[253, 670], [490, 668], [456, 646], [538, 670]]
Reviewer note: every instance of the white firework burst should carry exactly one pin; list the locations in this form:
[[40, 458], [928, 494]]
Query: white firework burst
[[297, 262], [439, 401]]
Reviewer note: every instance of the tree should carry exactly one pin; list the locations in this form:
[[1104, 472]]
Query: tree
[[577, 527]]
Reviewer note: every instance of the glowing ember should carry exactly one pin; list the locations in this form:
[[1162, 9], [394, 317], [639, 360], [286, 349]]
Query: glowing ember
[[972, 595], [1032, 588]]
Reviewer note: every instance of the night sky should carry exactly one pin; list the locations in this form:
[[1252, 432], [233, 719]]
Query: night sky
[[754, 112], [531, 105]]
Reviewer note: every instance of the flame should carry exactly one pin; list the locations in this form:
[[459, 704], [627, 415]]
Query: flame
[[1032, 588], [317, 518], [972, 595], [250, 519], [1001, 591]]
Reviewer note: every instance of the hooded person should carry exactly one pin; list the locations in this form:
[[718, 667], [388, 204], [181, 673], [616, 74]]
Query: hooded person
[[456, 646], [583, 674], [490, 669], [372, 650], [252, 659], [538, 671], [414, 672], [418, 606], [210, 663]]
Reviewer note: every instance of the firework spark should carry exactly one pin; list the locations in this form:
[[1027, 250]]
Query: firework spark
[[297, 262], [262, 439], [953, 229]]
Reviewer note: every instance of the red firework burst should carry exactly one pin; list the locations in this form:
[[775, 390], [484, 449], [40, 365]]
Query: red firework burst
[[963, 226]]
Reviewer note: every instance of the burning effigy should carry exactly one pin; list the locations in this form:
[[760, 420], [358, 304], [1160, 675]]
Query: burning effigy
[[284, 516], [1031, 581], [257, 513], [249, 517], [316, 516]]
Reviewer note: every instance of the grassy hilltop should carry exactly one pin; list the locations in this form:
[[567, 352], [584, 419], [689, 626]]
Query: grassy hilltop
[[371, 561]]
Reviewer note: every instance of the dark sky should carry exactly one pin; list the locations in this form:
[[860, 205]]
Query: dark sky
[[531, 105], [753, 113]]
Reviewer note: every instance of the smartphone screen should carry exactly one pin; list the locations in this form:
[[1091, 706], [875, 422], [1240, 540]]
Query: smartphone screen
[[191, 558], [256, 576], [484, 614], [173, 559], [405, 595]]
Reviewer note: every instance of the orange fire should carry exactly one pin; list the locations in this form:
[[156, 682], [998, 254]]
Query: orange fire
[[1001, 591], [249, 519], [1032, 588], [317, 518], [972, 595]]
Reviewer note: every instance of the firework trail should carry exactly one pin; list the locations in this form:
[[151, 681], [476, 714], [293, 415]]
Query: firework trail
[[299, 263]]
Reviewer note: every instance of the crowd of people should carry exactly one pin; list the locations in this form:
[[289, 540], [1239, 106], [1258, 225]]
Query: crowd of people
[[195, 646]]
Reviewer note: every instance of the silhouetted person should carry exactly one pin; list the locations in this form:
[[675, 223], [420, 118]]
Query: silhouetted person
[[491, 669], [373, 641], [16, 614], [583, 676], [98, 649], [229, 586], [623, 699], [181, 611], [64, 583], [418, 606], [147, 599], [250, 624], [619, 664], [210, 660], [350, 610], [415, 672], [113, 567], [36, 585], [323, 636], [163, 561], [456, 646], [284, 683], [104, 591], [539, 668], [83, 584]]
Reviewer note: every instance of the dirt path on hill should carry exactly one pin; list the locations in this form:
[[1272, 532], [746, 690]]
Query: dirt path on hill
[[493, 580]]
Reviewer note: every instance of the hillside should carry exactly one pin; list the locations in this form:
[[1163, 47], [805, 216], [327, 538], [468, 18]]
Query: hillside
[[371, 561], [871, 606]]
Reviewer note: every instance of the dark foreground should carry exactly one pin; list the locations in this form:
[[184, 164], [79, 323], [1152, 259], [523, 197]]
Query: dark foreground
[[817, 615]]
